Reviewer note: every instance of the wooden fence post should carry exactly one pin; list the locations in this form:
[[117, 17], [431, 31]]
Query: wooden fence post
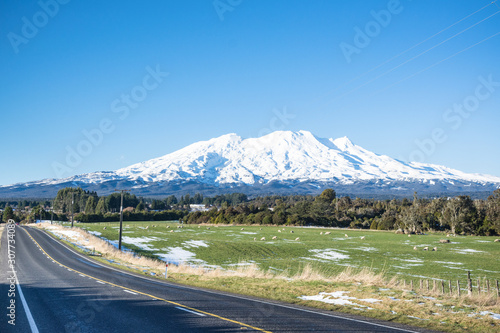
[[479, 286], [458, 288], [427, 282], [469, 283], [442, 287], [488, 286], [498, 290], [411, 284], [449, 286]]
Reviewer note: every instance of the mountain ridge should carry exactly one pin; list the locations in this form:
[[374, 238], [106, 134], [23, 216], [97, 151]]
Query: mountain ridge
[[298, 161]]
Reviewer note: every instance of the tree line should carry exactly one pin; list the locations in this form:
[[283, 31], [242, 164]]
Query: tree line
[[459, 214]]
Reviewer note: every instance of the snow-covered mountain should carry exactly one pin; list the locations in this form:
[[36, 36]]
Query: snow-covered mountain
[[282, 161]]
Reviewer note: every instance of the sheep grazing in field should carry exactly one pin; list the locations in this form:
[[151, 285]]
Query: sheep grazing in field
[[447, 235], [242, 229], [291, 231], [444, 241], [171, 231], [426, 248], [434, 249], [104, 228], [321, 233], [279, 230], [168, 227], [254, 239], [496, 240], [147, 227], [409, 235], [363, 237], [415, 248], [346, 235], [297, 239], [208, 228], [274, 237], [263, 238], [327, 233]]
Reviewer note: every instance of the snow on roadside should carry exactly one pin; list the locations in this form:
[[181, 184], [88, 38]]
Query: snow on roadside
[[338, 298]]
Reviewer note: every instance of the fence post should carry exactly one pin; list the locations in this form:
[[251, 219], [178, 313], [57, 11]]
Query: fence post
[[458, 288], [451, 290], [442, 287], [427, 283], [488, 285], [498, 290], [479, 286], [434, 285], [469, 283], [411, 284], [421, 284]]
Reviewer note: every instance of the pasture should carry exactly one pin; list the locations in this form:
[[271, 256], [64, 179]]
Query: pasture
[[295, 247]]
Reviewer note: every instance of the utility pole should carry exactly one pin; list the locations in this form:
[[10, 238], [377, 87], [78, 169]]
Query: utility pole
[[121, 218], [72, 202]]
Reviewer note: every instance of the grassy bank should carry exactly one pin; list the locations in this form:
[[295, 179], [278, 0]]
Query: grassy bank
[[235, 262]]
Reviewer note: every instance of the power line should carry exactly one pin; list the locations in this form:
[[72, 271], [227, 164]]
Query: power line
[[420, 43], [437, 63], [417, 56]]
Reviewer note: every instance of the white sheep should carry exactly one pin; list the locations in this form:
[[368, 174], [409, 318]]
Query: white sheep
[[414, 247], [274, 237], [435, 249], [321, 233], [496, 240], [147, 227], [409, 235], [242, 229], [279, 230], [363, 237], [291, 231], [168, 227], [426, 248], [171, 231], [297, 239], [263, 238], [327, 233], [346, 235], [104, 228]]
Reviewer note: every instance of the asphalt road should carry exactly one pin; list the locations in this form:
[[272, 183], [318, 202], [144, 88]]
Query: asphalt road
[[59, 290]]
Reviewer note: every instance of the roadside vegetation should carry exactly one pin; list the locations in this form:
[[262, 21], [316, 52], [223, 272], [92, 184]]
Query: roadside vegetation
[[369, 288]]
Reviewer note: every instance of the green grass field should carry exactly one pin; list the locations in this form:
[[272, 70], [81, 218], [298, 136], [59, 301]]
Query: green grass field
[[228, 246]]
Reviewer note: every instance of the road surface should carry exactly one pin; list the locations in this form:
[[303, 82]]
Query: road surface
[[55, 289]]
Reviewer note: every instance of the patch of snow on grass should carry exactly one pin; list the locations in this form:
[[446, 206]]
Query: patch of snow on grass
[[178, 255], [337, 298], [467, 251], [140, 242], [495, 316], [195, 243], [329, 254]]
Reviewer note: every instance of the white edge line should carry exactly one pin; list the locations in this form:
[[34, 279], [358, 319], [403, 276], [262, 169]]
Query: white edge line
[[31, 321], [194, 312], [239, 297], [99, 282], [130, 292]]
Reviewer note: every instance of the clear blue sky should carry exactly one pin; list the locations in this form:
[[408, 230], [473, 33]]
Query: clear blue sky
[[233, 66]]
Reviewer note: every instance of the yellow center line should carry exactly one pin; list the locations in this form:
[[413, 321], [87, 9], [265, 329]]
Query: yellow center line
[[149, 295]]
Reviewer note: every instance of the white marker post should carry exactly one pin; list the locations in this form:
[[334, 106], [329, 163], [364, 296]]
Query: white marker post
[[166, 269]]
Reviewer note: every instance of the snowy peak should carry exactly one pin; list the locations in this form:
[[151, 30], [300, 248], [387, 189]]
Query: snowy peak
[[298, 162], [286, 156]]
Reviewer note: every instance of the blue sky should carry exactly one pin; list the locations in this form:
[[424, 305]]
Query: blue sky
[[118, 83]]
